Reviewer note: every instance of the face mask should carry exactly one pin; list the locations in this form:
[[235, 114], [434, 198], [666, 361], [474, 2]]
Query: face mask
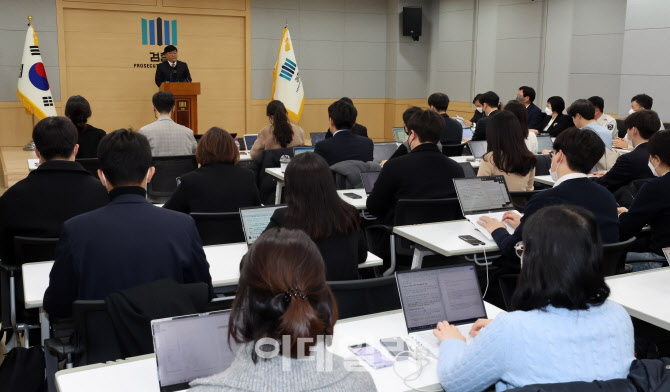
[[480, 109], [520, 99], [631, 111], [652, 168], [554, 174], [630, 142], [548, 111]]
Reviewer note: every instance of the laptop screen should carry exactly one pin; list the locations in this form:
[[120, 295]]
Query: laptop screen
[[383, 151], [544, 143], [467, 133], [190, 347], [255, 221], [478, 148], [249, 140], [369, 179], [300, 150], [317, 137], [399, 134], [429, 296], [482, 194]]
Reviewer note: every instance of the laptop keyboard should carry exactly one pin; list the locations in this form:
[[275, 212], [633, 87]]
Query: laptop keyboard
[[497, 215], [427, 340]]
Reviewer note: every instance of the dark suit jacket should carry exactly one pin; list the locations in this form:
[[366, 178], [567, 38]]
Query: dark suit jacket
[[216, 187], [578, 191], [628, 167], [426, 173], [358, 129], [341, 254], [165, 73], [125, 244], [452, 132], [345, 146], [38, 205], [88, 141], [562, 122], [534, 116], [480, 130], [650, 207], [477, 116]]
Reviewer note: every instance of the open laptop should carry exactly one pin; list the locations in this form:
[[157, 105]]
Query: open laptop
[[255, 220], [383, 151], [484, 196], [249, 141], [544, 142], [300, 150], [399, 134], [369, 179], [240, 140], [429, 296], [478, 149], [467, 133], [317, 137], [190, 347]]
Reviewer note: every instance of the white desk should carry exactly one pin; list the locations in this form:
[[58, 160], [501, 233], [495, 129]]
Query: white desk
[[467, 158], [140, 374], [359, 204], [277, 173], [442, 238], [244, 156], [644, 295], [546, 180]]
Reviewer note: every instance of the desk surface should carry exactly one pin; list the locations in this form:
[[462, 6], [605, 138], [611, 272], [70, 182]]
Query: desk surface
[[224, 267], [546, 180], [275, 172], [359, 204], [643, 295], [14, 164], [465, 158], [442, 237]]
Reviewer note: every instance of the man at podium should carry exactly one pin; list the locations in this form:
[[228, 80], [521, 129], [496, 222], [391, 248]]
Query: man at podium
[[172, 70]]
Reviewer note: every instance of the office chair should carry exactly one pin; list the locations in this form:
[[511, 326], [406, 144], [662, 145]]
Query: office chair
[[453, 150], [168, 169], [90, 164], [219, 227], [468, 170], [614, 257], [366, 296]]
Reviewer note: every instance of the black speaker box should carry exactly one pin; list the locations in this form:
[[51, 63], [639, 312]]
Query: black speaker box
[[411, 22]]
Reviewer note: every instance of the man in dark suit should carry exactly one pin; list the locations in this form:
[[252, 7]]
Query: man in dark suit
[[490, 103], [56, 191], [453, 130], [576, 154], [172, 70], [426, 173], [127, 243], [632, 166], [358, 129], [344, 145], [526, 96]]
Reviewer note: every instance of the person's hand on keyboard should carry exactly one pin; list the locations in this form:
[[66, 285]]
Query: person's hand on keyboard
[[478, 326], [490, 224], [512, 218], [446, 331]]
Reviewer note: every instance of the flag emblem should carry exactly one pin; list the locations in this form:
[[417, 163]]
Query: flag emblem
[[159, 32], [287, 70], [287, 86], [38, 76]]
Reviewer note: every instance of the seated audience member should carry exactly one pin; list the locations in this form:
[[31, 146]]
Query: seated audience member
[[521, 114], [490, 104], [56, 191], [576, 154], [554, 121], [526, 96], [403, 149], [283, 301], [425, 173], [555, 332], [642, 102], [166, 137], [358, 129], [640, 127], [218, 185], [78, 110], [281, 133], [344, 145], [583, 116], [453, 130], [651, 206], [314, 207], [128, 242], [603, 119], [479, 112], [507, 153]]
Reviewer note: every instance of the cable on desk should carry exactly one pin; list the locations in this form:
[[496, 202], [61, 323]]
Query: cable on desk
[[486, 262], [422, 357]]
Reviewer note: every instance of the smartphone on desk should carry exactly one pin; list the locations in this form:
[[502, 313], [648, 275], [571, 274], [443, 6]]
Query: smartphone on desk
[[397, 347], [353, 195], [370, 355], [471, 240]]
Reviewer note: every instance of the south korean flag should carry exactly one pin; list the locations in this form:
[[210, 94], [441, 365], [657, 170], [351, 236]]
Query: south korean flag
[[33, 87]]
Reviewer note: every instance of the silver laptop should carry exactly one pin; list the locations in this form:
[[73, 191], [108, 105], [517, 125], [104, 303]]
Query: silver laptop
[[369, 179], [249, 141], [544, 142], [429, 296], [399, 134], [190, 347], [383, 151], [484, 196], [478, 149], [255, 220]]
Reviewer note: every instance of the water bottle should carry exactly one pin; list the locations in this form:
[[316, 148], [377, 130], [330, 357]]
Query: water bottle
[[237, 143], [283, 162]]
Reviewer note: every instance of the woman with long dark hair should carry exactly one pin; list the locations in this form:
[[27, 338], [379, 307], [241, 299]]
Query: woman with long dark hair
[[507, 153], [280, 133], [283, 302], [78, 110], [562, 327], [521, 113], [314, 207]]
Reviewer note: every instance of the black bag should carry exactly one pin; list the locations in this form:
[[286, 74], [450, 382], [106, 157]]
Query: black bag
[[23, 370]]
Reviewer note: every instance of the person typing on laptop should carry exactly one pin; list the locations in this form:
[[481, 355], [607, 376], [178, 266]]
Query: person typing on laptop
[[562, 328]]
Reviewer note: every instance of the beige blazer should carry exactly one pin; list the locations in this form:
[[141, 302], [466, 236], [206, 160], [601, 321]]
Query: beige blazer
[[515, 182], [266, 140]]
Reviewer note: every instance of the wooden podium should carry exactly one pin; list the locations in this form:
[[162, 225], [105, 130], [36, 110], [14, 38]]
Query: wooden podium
[[186, 103]]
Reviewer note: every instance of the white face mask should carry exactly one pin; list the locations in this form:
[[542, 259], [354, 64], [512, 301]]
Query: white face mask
[[627, 139], [652, 168], [554, 174], [480, 109], [548, 111], [631, 111]]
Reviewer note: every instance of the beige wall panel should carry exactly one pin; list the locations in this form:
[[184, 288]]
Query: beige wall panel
[[226, 114], [239, 5], [122, 2], [16, 127]]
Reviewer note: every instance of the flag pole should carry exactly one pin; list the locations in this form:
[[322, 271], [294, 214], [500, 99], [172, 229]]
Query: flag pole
[[31, 145]]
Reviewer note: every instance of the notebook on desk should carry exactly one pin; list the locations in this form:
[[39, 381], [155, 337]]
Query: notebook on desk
[[484, 196], [190, 347], [399, 134], [429, 296], [255, 220], [33, 164]]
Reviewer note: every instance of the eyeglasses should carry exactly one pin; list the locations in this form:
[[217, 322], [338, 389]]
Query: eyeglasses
[[518, 249]]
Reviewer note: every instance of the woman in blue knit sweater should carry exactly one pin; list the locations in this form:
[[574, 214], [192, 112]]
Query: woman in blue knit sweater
[[562, 328]]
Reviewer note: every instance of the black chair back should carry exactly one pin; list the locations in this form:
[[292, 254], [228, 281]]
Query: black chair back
[[519, 199], [367, 296], [417, 211], [95, 337], [90, 164], [32, 249], [621, 127], [468, 170], [543, 165], [168, 169], [614, 257], [219, 227], [453, 150], [507, 285], [267, 183]]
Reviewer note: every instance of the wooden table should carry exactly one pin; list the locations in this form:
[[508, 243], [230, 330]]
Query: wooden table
[[14, 164]]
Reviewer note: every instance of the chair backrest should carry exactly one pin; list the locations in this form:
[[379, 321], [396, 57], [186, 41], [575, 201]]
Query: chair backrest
[[416, 211], [32, 249], [621, 127], [90, 164], [453, 150], [468, 170], [219, 227], [94, 333], [614, 257], [168, 169], [507, 286], [367, 296], [519, 199], [543, 165], [267, 183]]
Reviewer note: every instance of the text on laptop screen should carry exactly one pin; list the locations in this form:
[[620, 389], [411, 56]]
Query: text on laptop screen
[[383, 151], [255, 221], [399, 134], [478, 148], [482, 194], [369, 179], [249, 140], [300, 150], [191, 347], [433, 295], [544, 143]]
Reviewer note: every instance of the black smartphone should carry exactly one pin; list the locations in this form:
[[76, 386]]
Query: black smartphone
[[353, 195], [397, 347], [471, 240]]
